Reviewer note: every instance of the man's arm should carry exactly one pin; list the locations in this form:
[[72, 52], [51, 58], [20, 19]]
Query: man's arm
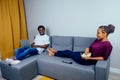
[[39, 46]]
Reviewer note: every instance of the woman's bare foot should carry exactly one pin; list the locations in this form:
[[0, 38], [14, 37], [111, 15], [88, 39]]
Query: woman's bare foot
[[53, 50], [50, 53]]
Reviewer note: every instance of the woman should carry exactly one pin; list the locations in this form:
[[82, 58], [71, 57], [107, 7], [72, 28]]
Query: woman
[[101, 48]]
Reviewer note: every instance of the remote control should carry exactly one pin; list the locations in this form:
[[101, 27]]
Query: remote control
[[68, 62]]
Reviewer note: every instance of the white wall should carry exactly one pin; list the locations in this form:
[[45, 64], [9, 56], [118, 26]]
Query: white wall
[[75, 18]]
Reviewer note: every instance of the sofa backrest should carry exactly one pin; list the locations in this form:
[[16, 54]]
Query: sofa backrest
[[70, 43], [81, 43], [61, 42]]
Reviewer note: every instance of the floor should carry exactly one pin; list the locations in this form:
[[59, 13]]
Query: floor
[[112, 76]]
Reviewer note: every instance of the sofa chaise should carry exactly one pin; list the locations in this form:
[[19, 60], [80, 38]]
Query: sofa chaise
[[54, 66]]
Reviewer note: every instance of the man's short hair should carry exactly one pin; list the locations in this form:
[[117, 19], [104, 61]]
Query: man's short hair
[[41, 26]]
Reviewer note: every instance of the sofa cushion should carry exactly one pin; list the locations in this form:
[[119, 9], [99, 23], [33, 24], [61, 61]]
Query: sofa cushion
[[81, 43], [61, 42], [25, 43]]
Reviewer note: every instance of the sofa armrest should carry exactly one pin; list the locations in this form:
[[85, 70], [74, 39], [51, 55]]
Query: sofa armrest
[[5, 70], [102, 70], [25, 70]]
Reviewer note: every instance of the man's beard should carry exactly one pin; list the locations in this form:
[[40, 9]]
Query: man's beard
[[42, 33]]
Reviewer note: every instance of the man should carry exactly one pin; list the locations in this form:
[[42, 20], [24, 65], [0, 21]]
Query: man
[[40, 43]]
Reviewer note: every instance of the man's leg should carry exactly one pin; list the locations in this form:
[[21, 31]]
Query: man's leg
[[28, 51], [20, 50]]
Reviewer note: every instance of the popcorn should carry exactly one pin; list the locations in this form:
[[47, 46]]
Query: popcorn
[[85, 55]]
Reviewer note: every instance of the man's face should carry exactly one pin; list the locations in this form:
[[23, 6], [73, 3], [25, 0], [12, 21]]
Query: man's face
[[41, 31]]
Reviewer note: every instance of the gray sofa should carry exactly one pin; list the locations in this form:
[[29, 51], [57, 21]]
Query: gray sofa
[[54, 66]]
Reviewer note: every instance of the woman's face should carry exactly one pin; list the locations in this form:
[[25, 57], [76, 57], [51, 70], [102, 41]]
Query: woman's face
[[100, 34]]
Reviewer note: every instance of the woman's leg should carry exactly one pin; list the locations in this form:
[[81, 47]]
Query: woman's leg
[[76, 56], [64, 53], [53, 52]]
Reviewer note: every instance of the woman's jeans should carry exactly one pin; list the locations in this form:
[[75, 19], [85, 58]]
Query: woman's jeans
[[76, 56], [24, 52]]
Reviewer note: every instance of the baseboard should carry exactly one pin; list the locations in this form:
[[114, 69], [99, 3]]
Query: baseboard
[[114, 70]]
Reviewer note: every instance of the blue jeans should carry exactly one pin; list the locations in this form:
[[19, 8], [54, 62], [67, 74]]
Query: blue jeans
[[76, 56], [23, 52]]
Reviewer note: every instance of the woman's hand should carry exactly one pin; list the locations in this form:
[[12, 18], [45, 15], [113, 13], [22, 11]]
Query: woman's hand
[[87, 58], [86, 51]]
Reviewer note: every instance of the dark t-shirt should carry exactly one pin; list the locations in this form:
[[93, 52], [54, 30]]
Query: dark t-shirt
[[99, 48]]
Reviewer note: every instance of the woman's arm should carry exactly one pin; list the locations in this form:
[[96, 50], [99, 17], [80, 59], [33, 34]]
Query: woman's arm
[[94, 58]]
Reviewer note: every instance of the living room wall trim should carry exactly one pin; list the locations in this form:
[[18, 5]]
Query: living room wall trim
[[114, 70]]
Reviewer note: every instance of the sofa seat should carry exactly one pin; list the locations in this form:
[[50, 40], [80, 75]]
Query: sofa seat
[[54, 67]]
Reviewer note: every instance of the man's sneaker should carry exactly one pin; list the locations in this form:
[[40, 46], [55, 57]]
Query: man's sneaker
[[12, 62], [8, 60], [15, 62]]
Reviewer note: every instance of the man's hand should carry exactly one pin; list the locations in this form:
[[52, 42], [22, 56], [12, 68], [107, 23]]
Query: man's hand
[[32, 45]]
